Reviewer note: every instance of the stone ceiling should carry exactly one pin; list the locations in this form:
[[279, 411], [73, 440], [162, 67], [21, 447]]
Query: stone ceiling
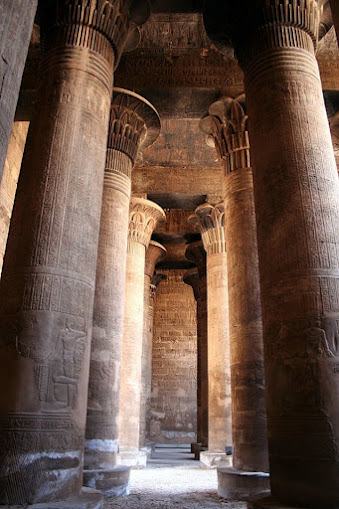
[[180, 71]]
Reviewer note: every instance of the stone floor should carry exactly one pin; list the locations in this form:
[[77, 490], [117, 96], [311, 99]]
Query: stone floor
[[173, 480]]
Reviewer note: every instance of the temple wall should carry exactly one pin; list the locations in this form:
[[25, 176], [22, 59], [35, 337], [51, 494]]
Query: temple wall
[[9, 180], [173, 416]]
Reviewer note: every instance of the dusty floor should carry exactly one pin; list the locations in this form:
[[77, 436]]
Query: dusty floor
[[173, 481]]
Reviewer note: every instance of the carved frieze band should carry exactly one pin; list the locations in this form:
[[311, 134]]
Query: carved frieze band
[[226, 128], [144, 216], [210, 222]]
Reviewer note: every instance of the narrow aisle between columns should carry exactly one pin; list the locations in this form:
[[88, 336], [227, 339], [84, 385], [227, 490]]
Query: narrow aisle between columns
[[172, 479]]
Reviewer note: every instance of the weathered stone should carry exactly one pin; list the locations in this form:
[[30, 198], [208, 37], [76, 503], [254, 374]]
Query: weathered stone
[[154, 253], [241, 485], [226, 125], [296, 191], [144, 216], [198, 285], [173, 417], [47, 286], [9, 180], [88, 499], [133, 121], [209, 220], [16, 22]]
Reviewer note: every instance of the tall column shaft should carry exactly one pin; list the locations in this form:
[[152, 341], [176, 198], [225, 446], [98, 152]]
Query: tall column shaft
[[16, 22], [202, 365], [144, 215], [131, 120], [108, 316], [146, 360], [47, 287], [247, 362], [296, 191], [198, 283], [155, 252], [132, 348], [219, 375]]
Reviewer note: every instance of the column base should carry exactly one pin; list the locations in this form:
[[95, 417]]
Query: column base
[[215, 459], [148, 450], [136, 459], [88, 499], [239, 485], [111, 482], [196, 449]]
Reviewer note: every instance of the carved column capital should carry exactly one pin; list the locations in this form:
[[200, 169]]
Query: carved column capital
[[143, 218], [191, 278], [262, 25], [134, 123], [226, 128], [154, 253], [209, 220], [85, 22], [196, 253]]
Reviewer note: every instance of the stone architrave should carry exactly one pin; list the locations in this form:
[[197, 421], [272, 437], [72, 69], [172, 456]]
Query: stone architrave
[[48, 280], [154, 253], [191, 278], [144, 215], [157, 278], [209, 220], [134, 124], [16, 22], [227, 128], [296, 193]]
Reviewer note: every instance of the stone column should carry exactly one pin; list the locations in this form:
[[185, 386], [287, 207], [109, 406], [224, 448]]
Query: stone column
[[133, 122], [157, 278], [144, 216], [218, 375], [47, 286], [192, 279], [155, 252], [334, 126], [296, 191], [16, 23], [226, 124]]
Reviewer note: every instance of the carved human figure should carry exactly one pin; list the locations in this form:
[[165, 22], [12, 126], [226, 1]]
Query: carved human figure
[[48, 279], [296, 194]]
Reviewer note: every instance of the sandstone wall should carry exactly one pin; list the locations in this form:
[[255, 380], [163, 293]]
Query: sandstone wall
[[173, 417], [9, 180]]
